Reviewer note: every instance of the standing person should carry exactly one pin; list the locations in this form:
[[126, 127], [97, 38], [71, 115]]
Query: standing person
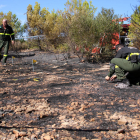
[[6, 35], [125, 65]]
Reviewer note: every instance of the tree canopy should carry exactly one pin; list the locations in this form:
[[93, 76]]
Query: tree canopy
[[134, 28]]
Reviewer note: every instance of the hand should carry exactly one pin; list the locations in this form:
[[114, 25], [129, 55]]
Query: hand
[[107, 78], [113, 77], [13, 42]]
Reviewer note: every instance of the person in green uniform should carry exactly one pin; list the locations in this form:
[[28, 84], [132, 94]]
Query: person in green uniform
[[125, 67], [6, 35]]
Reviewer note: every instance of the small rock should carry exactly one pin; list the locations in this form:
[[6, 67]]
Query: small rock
[[47, 137], [138, 101], [62, 117], [115, 116], [15, 124], [74, 104], [30, 109], [92, 120], [16, 133], [3, 122], [64, 124], [18, 110], [22, 134], [121, 131], [122, 121], [81, 109], [33, 137], [54, 125], [13, 137]]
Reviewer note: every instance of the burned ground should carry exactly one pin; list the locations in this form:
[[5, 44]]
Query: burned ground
[[64, 99]]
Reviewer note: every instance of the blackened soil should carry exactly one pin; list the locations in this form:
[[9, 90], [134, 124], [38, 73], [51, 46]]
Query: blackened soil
[[64, 99]]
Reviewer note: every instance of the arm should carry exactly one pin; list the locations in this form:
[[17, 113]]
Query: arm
[[111, 78], [110, 75], [119, 54], [111, 72]]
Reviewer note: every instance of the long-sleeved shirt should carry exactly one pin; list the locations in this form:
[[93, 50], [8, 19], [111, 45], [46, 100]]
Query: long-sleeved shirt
[[6, 34]]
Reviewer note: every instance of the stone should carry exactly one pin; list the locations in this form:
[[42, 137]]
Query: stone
[[18, 110], [92, 120], [71, 108], [120, 136], [41, 107], [22, 134], [81, 109], [13, 137], [47, 137], [62, 117], [15, 124], [121, 131], [115, 116], [122, 121], [30, 109], [16, 132], [138, 101], [3, 122], [65, 124], [33, 137], [75, 104], [42, 114]]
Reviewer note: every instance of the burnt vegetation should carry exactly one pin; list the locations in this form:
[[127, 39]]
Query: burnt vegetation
[[64, 99]]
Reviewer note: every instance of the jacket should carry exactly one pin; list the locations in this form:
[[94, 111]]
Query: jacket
[[124, 52], [7, 34], [129, 53]]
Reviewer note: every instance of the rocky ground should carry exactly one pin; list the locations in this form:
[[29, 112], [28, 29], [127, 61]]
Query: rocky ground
[[63, 99]]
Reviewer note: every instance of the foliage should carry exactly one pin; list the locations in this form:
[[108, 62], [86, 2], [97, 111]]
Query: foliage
[[86, 31], [35, 20], [79, 25], [106, 27], [14, 22], [75, 29], [134, 28], [42, 22], [76, 26]]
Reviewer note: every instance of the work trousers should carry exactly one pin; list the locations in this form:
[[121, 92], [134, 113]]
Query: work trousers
[[5, 45], [127, 66]]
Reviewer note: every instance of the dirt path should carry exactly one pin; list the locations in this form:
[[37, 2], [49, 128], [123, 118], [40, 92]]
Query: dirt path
[[64, 100]]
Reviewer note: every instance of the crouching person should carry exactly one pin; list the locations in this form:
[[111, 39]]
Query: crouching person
[[125, 67]]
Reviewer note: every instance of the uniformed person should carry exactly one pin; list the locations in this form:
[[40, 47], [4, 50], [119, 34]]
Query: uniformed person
[[6, 35], [125, 67]]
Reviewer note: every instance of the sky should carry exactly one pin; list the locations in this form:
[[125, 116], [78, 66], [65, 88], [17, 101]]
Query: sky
[[121, 7]]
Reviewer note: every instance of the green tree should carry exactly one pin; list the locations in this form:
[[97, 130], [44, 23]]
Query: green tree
[[75, 27], [85, 30], [42, 22], [78, 25], [34, 20], [107, 25], [134, 28]]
